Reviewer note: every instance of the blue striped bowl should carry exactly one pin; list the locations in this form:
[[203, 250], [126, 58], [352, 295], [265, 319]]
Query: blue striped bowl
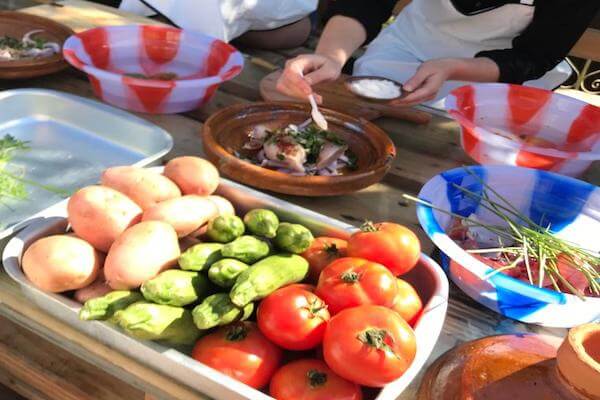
[[572, 208]]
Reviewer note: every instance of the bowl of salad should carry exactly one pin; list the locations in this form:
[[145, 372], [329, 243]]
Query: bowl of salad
[[152, 69], [520, 241], [277, 146], [526, 127], [30, 45]]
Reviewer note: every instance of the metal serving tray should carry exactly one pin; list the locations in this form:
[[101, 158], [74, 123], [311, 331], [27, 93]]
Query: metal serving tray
[[428, 278], [71, 141]]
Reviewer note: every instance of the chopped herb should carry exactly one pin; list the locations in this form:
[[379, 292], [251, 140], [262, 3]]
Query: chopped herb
[[280, 157]]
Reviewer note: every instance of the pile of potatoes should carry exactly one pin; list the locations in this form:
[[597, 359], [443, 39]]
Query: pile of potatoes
[[128, 229]]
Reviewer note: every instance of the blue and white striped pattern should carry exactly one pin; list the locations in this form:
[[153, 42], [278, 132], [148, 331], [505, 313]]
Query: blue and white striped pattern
[[572, 209]]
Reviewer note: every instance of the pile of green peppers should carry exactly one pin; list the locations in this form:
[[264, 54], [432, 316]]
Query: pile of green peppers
[[218, 281]]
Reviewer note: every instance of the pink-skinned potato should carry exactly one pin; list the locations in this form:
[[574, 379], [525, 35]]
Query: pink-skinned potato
[[186, 214], [223, 205], [144, 187], [100, 214], [98, 288], [193, 175], [59, 263], [141, 253]]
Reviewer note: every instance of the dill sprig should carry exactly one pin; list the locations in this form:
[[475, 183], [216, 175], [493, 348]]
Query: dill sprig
[[530, 241], [13, 186]]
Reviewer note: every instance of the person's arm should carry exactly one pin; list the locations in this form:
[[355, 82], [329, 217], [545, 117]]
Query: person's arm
[[353, 23], [556, 27]]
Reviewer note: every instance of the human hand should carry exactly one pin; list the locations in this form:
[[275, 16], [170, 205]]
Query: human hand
[[427, 81], [302, 72]]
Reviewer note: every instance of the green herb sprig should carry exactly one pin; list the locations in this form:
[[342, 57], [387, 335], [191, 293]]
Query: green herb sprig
[[530, 241]]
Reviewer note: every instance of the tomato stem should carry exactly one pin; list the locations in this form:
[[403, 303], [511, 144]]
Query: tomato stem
[[350, 277], [332, 250], [316, 378], [368, 226], [376, 338], [236, 333]]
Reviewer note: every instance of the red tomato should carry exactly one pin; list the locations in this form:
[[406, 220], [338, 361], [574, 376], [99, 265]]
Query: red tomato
[[392, 245], [350, 282], [311, 379], [369, 345], [305, 286], [408, 303], [293, 318], [321, 253], [240, 351]]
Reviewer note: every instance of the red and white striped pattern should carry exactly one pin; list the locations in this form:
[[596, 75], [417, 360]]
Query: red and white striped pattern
[[526, 127], [200, 62]]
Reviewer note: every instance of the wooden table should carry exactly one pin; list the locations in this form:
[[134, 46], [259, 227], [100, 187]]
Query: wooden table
[[67, 364]]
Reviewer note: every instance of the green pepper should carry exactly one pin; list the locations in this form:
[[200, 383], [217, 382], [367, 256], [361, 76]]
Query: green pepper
[[147, 321], [224, 272], [225, 228], [217, 310], [293, 238], [262, 222], [176, 288], [248, 249], [200, 256], [103, 308]]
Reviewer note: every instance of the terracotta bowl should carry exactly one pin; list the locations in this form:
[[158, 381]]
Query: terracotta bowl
[[225, 132], [17, 24]]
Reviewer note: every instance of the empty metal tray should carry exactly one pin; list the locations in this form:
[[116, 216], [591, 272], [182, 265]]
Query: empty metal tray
[[71, 141]]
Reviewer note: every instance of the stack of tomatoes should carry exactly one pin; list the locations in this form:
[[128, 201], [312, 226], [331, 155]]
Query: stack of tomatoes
[[356, 322]]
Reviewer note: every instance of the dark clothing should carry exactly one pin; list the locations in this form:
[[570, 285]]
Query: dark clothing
[[556, 27]]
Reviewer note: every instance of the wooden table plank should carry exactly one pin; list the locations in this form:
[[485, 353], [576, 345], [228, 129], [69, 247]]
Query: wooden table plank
[[54, 374]]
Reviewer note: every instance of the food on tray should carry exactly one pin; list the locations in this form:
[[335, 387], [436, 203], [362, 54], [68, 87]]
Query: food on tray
[[161, 76], [262, 222], [144, 187], [522, 248], [322, 252], [218, 310], [382, 89], [200, 256], [293, 318], [193, 175], [223, 205], [369, 345], [298, 150], [98, 288], [240, 351], [223, 276], [349, 282], [225, 228], [311, 379], [186, 214], [27, 47], [266, 276], [176, 288], [408, 303], [61, 262], [293, 238], [141, 253], [392, 245], [104, 307], [100, 214], [148, 321], [224, 272], [248, 249]]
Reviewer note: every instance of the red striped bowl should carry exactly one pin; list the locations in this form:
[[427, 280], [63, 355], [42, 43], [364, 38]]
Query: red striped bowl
[[526, 127], [123, 64]]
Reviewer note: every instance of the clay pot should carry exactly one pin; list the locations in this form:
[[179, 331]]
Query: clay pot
[[515, 367]]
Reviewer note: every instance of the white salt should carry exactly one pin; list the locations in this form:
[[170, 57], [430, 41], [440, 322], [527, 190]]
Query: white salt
[[375, 88]]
